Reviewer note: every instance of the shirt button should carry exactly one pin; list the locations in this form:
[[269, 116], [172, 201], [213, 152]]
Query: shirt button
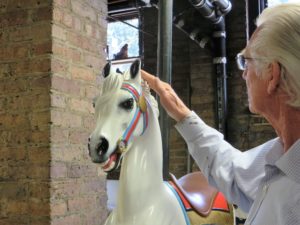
[[265, 188]]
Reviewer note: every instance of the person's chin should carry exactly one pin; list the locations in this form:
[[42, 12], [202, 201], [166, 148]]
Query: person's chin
[[252, 109]]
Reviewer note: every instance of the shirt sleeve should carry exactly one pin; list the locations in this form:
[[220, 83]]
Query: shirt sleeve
[[236, 174]]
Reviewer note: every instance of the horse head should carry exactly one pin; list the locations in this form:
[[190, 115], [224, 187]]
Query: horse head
[[121, 115]]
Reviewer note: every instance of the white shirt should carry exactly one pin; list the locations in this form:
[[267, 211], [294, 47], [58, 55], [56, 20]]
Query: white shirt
[[262, 181]]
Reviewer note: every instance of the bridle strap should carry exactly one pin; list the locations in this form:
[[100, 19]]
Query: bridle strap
[[128, 132]]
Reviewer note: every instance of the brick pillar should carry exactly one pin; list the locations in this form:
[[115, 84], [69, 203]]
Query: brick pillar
[[51, 52]]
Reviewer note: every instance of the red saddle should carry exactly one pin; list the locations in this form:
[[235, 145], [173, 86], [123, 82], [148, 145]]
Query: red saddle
[[197, 194]]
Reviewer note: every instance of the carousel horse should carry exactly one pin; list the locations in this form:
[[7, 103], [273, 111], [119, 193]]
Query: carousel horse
[[127, 132]]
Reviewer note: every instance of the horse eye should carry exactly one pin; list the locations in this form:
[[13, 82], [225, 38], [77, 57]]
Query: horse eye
[[127, 104]]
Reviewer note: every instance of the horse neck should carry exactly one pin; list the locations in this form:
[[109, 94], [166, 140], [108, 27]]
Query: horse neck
[[142, 165]]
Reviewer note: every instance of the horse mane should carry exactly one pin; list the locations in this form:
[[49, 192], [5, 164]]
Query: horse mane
[[150, 98], [114, 81], [110, 85]]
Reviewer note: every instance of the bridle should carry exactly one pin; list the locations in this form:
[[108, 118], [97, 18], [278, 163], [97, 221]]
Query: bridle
[[141, 109]]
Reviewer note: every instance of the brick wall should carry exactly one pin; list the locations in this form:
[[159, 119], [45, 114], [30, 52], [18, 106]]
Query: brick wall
[[25, 65], [79, 37], [51, 52], [190, 62]]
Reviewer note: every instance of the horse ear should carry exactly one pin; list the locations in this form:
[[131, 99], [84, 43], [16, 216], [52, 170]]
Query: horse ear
[[135, 69], [106, 70]]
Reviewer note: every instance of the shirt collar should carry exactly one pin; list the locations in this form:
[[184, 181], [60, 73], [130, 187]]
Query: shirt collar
[[289, 162], [276, 151]]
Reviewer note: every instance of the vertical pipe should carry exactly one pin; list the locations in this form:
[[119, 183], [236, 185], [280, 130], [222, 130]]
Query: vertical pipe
[[164, 70], [220, 61]]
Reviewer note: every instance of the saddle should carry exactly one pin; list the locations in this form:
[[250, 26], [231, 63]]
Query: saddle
[[200, 195]]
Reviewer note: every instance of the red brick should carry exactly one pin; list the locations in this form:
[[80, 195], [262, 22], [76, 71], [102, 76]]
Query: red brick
[[13, 5], [89, 122], [59, 135], [36, 171], [89, 29], [81, 73], [39, 120], [75, 39], [81, 106], [21, 34], [67, 20], [13, 190], [68, 220], [65, 189], [59, 209], [73, 54], [92, 186], [41, 31], [62, 3], [18, 153], [65, 119], [79, 137], [15, 18], [58, 100], [57, 15], [83, 10], [59, 32], [69, 153], [39, 189], [39, 155], [35, 32], [77, 24], [58, 170], [41, 14], [92, 61], [58, 66], [81, 204], [40, 137], [64, 85], [41, 48], [91, 92], [43, 82], [17, 207], [39, 207]]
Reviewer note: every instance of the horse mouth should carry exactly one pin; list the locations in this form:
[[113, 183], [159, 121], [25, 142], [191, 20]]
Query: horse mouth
[[111, 163]]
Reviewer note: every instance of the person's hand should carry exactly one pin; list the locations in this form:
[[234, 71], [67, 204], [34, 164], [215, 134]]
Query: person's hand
[[168, 98]]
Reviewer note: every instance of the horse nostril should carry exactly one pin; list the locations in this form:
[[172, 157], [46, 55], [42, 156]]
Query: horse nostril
[[102, 147]]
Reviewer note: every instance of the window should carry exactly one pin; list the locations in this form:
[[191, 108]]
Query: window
[[123, 43], [255, 7], [275, 2]]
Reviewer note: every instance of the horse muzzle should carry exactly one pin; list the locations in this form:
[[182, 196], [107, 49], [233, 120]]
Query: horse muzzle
[[98, 151], [98, 154]]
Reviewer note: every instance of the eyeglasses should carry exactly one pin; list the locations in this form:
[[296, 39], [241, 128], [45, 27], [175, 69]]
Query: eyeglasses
[[241, 61]]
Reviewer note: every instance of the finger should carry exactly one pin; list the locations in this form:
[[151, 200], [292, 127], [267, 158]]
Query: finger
[[148, 77], [152, 81]]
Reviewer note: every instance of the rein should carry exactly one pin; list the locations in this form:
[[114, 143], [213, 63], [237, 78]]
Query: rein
[[140, 110]]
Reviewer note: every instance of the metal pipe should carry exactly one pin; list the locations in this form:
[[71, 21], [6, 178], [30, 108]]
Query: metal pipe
[[192, 32], [206, 9], [220, 62], [216, 9], [164, 70], [224, 6]]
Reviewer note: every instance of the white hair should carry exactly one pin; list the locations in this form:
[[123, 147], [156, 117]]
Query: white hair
[[278, 39]]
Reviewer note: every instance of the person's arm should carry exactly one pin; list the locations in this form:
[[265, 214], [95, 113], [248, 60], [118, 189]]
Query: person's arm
[[223, 165], [168, 98]]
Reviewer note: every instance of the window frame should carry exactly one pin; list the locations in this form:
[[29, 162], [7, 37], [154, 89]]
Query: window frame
[[254, 8]]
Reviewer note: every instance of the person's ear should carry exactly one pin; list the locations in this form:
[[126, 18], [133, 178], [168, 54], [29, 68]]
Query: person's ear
[[274, 77]]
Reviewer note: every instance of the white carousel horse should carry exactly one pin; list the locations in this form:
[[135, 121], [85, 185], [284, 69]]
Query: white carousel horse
[[127, 130]]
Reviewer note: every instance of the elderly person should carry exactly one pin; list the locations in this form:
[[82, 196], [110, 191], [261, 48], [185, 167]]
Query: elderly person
[[264, 181]]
